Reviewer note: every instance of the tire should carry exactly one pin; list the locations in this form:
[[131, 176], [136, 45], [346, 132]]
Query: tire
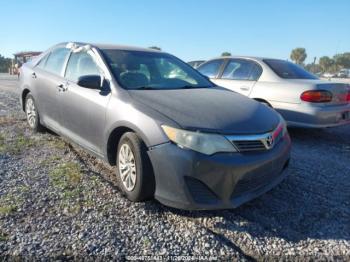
[[134, 171], [32, 114]]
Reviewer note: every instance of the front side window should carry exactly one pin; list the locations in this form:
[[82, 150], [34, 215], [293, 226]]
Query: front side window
[[239, 69], [152, 70], [210, 69], [288, 70], [55, 62], [81, 64]]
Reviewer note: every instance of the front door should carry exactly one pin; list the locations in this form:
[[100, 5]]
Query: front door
[[239, 75], [83, 110]]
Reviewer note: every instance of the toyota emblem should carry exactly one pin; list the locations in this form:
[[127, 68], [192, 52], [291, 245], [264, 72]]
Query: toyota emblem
[[269, 141]]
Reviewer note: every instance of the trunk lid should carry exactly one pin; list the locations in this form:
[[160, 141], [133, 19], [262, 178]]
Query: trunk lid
[[340, 92]]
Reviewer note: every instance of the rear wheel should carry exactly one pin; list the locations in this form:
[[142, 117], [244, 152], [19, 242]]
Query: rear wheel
[[134, 170], [32, 114]]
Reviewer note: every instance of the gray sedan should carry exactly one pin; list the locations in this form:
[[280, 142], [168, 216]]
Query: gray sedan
[[300, 97], [172, 134]]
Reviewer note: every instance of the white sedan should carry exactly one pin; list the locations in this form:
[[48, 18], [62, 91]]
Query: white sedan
[[300, 97]]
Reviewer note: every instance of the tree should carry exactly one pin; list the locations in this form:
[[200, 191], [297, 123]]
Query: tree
[[298, 55], [313, 68], [155, 47], [325, 62], [226, 54], [342, 60], [5, 64]]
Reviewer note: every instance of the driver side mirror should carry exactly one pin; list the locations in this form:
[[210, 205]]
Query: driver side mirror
[[90, 81]]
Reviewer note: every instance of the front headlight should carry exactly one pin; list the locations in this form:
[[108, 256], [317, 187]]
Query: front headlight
[[204, 143], [283, 124]]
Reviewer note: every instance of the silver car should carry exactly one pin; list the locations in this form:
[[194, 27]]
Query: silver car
[[300, 97], [172, 133]]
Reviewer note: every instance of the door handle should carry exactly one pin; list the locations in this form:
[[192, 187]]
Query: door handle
[[62, 88], [33, 75], [244, 88]]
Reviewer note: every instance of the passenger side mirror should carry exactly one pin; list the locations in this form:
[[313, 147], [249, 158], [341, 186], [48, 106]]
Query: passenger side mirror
[[90, 81]]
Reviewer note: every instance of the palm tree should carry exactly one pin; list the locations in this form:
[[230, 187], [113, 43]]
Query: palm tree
[[226, 54], [155, 47], [298, 55]]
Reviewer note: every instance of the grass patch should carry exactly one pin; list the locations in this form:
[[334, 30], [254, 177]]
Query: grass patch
[[7, 209], [17, 145], [10, 203], [2, 144], [3, 236], [66, 176], [49, 160], [58, 143]]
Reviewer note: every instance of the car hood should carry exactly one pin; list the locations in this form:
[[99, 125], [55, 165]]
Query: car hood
[[210, 110]]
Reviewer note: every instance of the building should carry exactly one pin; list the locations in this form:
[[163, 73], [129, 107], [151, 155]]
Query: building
[[20, 58]]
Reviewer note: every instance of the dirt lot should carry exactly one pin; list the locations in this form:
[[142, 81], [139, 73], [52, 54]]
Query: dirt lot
[[55, 200]]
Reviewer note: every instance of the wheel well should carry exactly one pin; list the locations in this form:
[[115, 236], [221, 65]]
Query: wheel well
[[263, 101], [113, 142], [24, 95]]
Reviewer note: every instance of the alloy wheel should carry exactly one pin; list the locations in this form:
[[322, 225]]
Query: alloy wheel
[[127, 167], [31, 112]]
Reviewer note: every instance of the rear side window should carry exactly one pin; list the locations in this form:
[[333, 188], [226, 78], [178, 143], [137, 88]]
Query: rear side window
[[210, 69], [81, 64], [55, 61], [42, 62], [239, 69], [288, 70]]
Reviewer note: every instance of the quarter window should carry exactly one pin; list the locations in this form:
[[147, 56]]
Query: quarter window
[[55, 61], [239, 69], [81, 64], [42, 62], [210, 69]]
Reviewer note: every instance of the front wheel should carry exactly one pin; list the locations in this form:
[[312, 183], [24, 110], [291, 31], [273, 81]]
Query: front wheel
[[134, 170], [32, 114]]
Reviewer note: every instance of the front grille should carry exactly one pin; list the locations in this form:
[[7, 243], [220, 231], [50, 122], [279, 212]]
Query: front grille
[[260, 142], [249, 145], [255, 180], [251, 182]]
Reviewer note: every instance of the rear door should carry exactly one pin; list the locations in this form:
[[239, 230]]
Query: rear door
[[239, 75], [83, 110], [47, 77]]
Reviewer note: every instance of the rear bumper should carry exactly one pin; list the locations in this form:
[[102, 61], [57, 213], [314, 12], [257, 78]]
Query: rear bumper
[[313, 116], [193, 181]]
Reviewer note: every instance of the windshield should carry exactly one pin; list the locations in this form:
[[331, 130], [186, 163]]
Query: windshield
[[288, 70], [152, 70]]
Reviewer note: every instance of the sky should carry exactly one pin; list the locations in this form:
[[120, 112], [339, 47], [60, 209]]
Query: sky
[[189, 29]]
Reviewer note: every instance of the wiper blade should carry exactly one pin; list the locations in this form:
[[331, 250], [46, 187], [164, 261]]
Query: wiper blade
[[190, 86], [144, 88]]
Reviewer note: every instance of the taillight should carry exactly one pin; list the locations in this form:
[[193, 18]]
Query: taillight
[[316, 96], [348, 96]]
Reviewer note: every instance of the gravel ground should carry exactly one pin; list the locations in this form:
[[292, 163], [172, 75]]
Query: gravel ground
[[57, 201]]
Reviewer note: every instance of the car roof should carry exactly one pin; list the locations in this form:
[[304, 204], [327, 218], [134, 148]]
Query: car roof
[[113, 46], [255, 58]]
